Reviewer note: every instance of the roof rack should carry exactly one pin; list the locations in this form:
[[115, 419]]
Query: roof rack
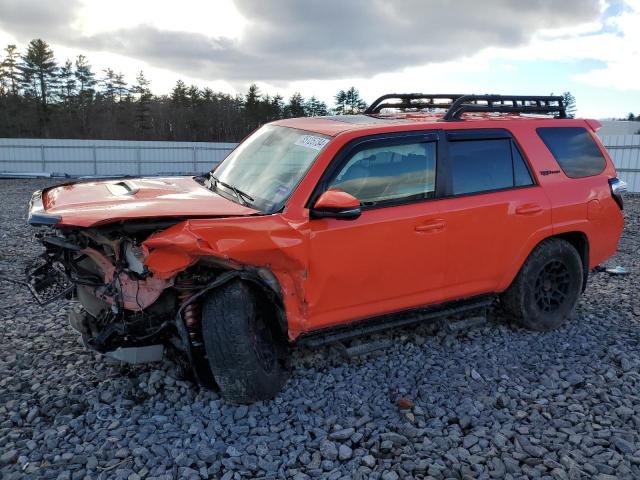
[[459, 104], [412, 100]]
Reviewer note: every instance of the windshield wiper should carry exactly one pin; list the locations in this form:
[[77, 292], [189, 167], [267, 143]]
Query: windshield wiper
[[240, 195]]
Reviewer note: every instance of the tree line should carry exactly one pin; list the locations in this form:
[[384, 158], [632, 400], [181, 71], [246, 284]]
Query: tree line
[[40, 98]]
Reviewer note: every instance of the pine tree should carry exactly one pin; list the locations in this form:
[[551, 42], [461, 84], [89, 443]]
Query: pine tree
[[39, 70], [354, 103], [3, 81], [108, 83], [208, 95], [270, 108], [569, 104], [85, 77], [120, 86], [252, 106], [86, 81], [39, 80], [315, 108], [193, 96], [276, 107], [349, 102], [179, 93], [10, 71], [341, 102], [106, 98], [295, 107], [142, 87], [67, 82], [143, 108]]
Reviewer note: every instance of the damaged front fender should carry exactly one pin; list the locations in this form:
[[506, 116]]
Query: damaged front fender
[[268, 241]]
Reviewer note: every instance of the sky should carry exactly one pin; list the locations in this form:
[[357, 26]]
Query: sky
[[536, 47]]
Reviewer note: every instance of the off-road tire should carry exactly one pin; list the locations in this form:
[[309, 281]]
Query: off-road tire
[[246, 353], [545, 291]]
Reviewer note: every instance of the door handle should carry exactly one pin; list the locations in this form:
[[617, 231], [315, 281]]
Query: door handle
[[528, 209], [434, 226]]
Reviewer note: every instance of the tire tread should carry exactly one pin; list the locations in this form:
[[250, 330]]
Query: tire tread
[[227, 336]]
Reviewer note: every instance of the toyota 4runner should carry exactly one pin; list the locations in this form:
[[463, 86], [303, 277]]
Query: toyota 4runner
[[315, 230]]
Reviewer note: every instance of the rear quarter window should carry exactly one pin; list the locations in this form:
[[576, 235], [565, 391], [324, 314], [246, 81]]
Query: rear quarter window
[[574, 149]]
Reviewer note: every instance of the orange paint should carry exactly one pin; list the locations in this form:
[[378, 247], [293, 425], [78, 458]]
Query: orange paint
[[336, 199], [334, 271], [88, 204]]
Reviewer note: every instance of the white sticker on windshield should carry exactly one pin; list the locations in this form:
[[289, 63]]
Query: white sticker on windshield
[[310, 141]]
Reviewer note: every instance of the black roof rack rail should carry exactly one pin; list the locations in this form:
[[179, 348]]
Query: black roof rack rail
[[459, 104], [412, 100], [506, 104]]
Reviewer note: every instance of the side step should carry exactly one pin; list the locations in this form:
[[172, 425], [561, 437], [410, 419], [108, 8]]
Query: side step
[[395, 320], [466, 323], [364, 348], [454, 326]]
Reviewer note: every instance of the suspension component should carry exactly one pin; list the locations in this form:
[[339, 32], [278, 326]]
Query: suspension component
[[191, 313]]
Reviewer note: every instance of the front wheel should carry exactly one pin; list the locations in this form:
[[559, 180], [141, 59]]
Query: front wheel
[[546, 290], [245, 350]]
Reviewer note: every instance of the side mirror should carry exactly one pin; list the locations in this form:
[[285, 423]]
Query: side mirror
[[336, 203]]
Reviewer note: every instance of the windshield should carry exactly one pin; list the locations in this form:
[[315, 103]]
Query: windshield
[[264, 169]]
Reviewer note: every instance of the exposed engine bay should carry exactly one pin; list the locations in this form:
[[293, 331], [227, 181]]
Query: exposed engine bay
[[123, 305]]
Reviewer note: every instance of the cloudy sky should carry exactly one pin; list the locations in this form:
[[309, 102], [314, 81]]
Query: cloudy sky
[[590, 47]]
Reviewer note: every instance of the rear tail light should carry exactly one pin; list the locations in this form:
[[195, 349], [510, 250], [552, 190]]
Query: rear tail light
[[618, 188]]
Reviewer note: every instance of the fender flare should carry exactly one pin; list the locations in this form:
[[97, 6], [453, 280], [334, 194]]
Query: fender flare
[[245, 275], [578, 239]]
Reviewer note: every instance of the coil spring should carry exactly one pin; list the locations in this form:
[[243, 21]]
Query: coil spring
[[191, 313]]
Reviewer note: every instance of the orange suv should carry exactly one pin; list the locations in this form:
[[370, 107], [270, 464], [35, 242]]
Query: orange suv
[[315, 230]]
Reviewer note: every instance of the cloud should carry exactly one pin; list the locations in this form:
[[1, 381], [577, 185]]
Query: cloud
[[286, 40], [622, 68], [29, 19]]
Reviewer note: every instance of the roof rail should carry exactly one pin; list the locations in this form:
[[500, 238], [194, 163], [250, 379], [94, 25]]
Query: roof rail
[[412, 100], [459, 104]]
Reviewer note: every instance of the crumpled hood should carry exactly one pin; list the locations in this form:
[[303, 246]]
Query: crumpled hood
[[93, 203]]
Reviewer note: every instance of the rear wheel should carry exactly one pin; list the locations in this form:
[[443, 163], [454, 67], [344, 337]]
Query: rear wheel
[[247, 354], [546, 290]]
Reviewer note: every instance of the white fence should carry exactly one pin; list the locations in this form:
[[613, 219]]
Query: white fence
[[113, 157], [625, 153], [108, 157]]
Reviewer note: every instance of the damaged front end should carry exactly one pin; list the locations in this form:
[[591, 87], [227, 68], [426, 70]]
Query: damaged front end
[[139, 284], [123, 309], [140, 259]]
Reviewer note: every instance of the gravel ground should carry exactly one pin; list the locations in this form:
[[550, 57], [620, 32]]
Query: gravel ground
[[494, 402]]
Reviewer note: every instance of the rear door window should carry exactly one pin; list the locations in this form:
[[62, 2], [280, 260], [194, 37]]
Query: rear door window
[[480, 166], [485, 164], [574, 149]]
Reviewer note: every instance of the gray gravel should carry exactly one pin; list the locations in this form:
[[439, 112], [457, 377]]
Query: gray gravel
[[494, 402]]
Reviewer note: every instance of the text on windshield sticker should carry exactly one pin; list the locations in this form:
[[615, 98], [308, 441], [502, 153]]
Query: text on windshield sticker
[[310, 141]]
